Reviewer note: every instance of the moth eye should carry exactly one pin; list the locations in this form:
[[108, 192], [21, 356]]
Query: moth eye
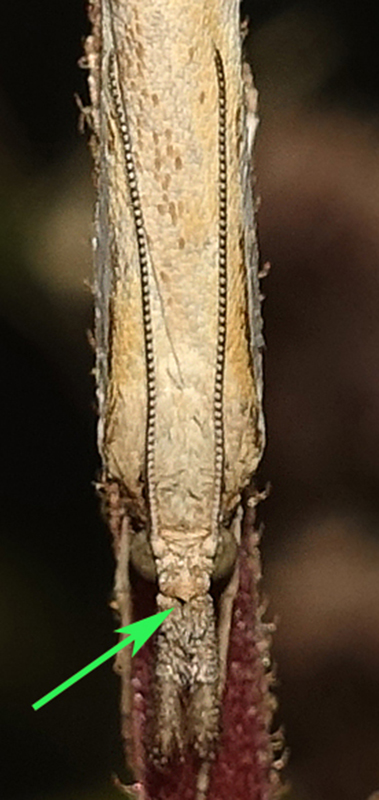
[[142, 555], [226, 553]]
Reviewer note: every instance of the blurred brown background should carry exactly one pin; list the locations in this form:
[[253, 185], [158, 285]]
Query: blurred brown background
[[317, 164]]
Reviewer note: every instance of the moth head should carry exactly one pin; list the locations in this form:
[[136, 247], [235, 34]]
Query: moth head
[[184, 562]]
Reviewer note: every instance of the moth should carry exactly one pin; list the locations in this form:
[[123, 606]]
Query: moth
[[178, 337]]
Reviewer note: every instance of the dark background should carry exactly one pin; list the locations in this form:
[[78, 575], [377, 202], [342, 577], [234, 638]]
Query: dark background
[[317, 162]]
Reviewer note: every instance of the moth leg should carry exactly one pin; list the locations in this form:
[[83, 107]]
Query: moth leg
[[113, 506], [122, 664], [225, 558], [225, 622], [231, 545]]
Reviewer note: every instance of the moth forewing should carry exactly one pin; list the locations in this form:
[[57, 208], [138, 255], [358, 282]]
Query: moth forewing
[[180, 428]]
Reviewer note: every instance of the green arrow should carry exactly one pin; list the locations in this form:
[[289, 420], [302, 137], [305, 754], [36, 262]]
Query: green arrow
[[139, 632]]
